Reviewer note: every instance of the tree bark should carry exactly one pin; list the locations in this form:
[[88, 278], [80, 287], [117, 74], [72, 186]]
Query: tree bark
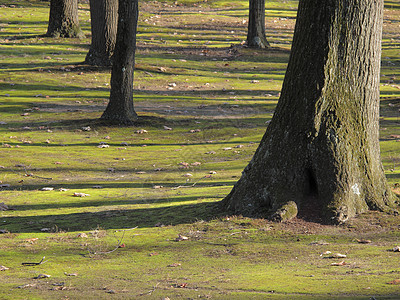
[[321, 149], [63, 19], [256, 29], [120, 107], [104, 18]]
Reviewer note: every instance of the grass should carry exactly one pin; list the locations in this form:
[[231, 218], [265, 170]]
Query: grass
[[226, 95]]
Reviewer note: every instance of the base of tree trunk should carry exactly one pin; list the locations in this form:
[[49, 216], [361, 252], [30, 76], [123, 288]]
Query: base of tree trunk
[[256, 42], [118, 119], [71, 32], [94, 59]]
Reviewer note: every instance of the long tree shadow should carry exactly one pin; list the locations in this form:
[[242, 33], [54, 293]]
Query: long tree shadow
[[113, 219]]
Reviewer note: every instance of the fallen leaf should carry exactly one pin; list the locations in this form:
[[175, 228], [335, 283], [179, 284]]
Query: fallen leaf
[[122, 246], [196, 163], [167, 128], [396, 281], [47, 189], [70, 274], [80, 195], [31, 240], [174, 265], [81, 235], [157, 186], [342, 263], [26, 285], [187, 175], [3, 268], [141, 131], [180, 285], [153, 253], [63, 190], [362, 241], [228, 148], [41, 276], [181, 238]]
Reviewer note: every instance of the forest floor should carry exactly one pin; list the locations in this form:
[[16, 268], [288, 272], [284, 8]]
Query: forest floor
[[132, 212]]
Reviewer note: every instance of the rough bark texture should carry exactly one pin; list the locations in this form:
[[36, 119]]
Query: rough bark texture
[[256, 29], [63, 19], [120, 107], [104, 19], [322, 143]]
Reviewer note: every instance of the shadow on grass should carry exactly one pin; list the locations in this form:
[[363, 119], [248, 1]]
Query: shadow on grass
[[114, 219]]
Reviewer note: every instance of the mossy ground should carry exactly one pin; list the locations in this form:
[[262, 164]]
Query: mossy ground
[[188, 78]]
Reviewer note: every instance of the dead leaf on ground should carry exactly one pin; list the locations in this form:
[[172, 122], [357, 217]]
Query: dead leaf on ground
[[70, 274], [31, 240], [181, 238], [47, 189], [396, 281], [363, 241], [3, 268], [342, 263], [81, 235], [41, 276], [174, 265], [141, 131], [187, 175], [26, 285], [180, 285], [167, 128], [196, 163], [80, 195]]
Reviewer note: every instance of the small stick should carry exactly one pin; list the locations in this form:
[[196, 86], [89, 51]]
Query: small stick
[[33, 263]]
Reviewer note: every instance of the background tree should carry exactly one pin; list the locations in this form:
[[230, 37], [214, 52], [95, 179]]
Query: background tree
[[256, 29], [104, 20], [321, 149], [63, 19], [120, 107]]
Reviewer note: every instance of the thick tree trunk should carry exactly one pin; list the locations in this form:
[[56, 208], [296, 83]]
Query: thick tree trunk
[[104, 18], [63, 19], [120, 107], [256, 29], [321, 149]]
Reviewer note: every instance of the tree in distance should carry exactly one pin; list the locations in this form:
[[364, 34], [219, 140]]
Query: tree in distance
[[104, 20], [321, 150], [120, 108], [63, 19], [256, 28]]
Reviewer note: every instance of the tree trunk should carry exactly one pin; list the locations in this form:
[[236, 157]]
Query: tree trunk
[[104, 17], [63, 19], [120, 107], [256, 29], [321, 149]]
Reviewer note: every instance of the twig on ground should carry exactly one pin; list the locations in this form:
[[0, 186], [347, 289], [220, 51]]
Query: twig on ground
[[192, 185], [119, 243], [151, 291], [33, 263]]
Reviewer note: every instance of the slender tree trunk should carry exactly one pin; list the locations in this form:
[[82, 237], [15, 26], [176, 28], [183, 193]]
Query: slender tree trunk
[[120, 107], [104, 19], [321, 149], [63, 19], [256, 30]]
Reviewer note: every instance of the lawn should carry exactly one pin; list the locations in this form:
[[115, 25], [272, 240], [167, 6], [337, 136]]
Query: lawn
[[132, 212]]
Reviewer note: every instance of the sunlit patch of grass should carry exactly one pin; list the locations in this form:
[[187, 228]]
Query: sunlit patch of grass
[[191, 75]]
